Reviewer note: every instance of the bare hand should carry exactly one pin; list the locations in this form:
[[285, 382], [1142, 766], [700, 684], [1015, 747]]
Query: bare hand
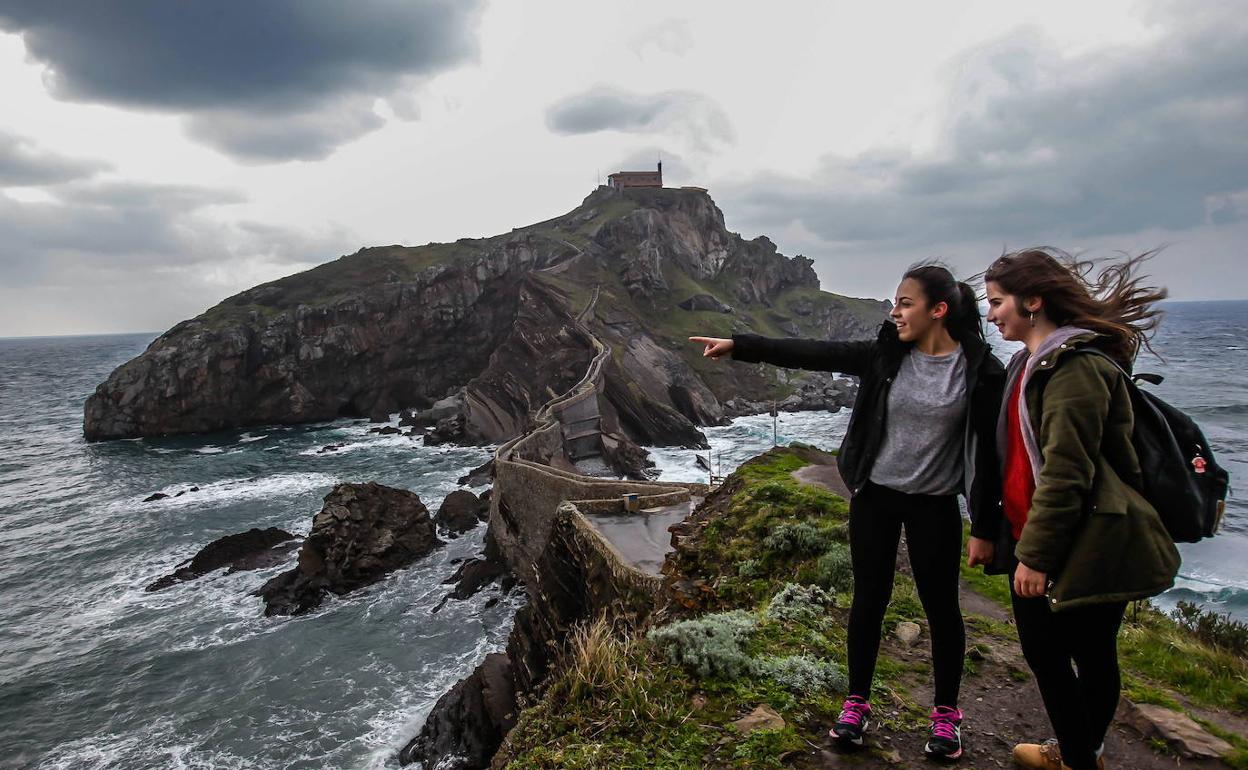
[[979, 551], [1028, 583], [715, 346]]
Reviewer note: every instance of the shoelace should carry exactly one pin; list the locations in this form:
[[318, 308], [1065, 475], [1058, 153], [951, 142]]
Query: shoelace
[[945, 722], [854, 712]]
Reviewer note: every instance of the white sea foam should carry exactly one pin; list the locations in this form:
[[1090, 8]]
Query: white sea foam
[[231, 490]]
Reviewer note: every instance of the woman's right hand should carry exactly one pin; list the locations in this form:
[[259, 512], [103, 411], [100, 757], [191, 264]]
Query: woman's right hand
[[715, 346], [979, 551]]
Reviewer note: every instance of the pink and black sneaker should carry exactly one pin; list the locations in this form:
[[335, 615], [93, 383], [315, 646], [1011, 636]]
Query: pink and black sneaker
[[946, 739], [852, 723]]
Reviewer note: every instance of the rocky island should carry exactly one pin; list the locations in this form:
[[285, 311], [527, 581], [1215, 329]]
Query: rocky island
[[473, 336]]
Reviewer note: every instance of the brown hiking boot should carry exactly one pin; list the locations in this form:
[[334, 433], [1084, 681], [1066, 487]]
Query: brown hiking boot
[[1044, 756]]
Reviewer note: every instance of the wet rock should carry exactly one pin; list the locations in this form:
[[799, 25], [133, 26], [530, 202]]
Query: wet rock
[[154, 497], [448, 430], [388, 430], [253, 549], [363, 532], [482, 474], [468, 723], [460, 512]]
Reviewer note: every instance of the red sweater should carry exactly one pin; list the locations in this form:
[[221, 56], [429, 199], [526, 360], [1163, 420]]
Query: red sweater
[[1019, 483]]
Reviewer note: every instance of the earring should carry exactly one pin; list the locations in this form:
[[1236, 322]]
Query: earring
[[1033, 318]]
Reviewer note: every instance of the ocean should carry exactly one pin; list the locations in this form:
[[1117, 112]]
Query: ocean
[[96, 673]]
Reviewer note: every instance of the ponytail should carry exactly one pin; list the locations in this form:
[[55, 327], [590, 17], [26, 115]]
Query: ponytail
[[962, 321]]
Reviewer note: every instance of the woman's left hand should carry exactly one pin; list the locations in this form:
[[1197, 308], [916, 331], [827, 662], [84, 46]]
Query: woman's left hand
[[1028, 583]]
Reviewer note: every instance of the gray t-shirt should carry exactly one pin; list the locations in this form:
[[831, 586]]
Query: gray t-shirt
[[924, 426]]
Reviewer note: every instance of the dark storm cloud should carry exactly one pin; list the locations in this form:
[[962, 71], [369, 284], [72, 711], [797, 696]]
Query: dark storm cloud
[[276, 80], [1038, 143], [23, 164], [604, 108]]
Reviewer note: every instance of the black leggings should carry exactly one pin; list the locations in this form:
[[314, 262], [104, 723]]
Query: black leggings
[[934, 539], [1074, 655]]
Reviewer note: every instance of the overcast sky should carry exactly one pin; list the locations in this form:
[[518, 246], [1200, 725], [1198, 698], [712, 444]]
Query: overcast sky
[[158, 157]]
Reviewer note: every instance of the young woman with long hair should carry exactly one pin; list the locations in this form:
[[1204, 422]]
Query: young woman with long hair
[[1078, 540], [922, 431]]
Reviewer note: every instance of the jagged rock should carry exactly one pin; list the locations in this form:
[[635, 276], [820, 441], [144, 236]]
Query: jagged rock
[[253, 549], [154, 497], [388, 430], [763, 717], [907, 633], [363, 532], [1178, 730], [482, 474], [468, 723], [625, 457], [705, 302], [449, 429], [460, 511], [475, 574]]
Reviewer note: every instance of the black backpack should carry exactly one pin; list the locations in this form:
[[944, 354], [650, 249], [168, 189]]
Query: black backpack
[[1182, 480]]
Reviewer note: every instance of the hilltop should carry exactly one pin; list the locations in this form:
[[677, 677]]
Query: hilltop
[[480, 332]]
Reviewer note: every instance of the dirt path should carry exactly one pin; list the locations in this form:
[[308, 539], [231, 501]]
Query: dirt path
[[999, 696]]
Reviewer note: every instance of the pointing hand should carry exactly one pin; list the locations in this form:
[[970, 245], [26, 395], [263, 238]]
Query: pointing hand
[[715, 346]]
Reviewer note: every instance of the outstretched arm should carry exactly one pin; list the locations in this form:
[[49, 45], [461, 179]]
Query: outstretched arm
[[793, 353]]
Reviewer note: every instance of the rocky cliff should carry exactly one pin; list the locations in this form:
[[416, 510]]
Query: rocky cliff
[[484, 326]]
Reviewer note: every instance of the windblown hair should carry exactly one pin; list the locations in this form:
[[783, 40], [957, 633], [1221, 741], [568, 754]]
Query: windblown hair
[[1112, 300], [962, 320]]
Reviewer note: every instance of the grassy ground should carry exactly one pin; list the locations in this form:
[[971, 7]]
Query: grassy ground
[[667, 699]]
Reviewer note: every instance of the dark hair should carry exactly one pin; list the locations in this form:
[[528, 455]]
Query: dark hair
[[1112, 303], [938, 284]]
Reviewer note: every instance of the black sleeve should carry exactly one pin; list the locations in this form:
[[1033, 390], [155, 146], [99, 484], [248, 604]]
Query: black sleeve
[[818, 355], [987, 515]]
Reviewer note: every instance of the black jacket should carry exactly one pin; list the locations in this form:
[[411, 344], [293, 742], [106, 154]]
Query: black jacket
[[876, 363]]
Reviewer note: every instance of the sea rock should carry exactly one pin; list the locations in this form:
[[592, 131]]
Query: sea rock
[[482, 474], [474, 574], [468, 723], [363, 532], [154, 497], [253, 549], [1178, 730], [461, 511]]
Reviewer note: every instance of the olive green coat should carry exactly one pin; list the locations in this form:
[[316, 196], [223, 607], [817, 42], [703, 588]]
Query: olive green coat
[[1097, 538]]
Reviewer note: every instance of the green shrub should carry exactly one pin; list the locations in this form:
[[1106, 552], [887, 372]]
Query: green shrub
[[803, 539], [801, 603], [804, 674], [1212, 629], [834, 570], [749, 568], [712, 645]]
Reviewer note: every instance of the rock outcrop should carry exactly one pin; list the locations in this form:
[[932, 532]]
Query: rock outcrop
[[253, 549], [469, 336], [364, 532], [461, 510]]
